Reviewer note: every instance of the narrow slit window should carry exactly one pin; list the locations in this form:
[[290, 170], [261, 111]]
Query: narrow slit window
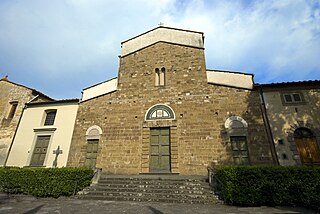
[[160, 76], [157, 80], [13, 109]]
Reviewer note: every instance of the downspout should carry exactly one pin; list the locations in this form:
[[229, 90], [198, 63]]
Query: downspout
[[268, 128], [14, 136]]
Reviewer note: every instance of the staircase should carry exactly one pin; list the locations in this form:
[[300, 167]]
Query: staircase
[[151, 188]]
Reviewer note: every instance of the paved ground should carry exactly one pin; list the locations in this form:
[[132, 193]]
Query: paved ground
[[29, 205]]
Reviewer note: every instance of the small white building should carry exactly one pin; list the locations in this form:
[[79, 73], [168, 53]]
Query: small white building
[[44, 134]]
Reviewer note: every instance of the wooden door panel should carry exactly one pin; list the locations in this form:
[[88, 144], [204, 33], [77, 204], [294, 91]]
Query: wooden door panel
[[165, 150], [302, 150], [308, 150], [154, 139], [154, 162], [314, 150], [40, 150], [154, 150], [165, 163], [159, 149], [92, 153]]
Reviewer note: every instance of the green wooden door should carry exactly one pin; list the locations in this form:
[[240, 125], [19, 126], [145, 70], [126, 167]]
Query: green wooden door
[[40, 150], [91, 155], [160, 150], [240, 150]]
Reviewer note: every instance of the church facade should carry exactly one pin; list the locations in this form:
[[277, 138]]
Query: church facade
[[167, 113]]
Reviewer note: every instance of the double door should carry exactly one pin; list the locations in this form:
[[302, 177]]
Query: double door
[[160, 150]]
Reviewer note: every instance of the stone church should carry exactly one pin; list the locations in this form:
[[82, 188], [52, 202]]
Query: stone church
[[164, 113], [167, 113]]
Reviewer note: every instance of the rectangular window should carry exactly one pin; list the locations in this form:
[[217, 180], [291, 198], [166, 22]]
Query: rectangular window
[[292, 98], [50, 116], [13, 109], [239, 150], [296, 97], [288, 98]]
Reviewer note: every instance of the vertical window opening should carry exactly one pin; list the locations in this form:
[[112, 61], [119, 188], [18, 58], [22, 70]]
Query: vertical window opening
[[50, 117], [13, 109], [160, 77], [157, 81]]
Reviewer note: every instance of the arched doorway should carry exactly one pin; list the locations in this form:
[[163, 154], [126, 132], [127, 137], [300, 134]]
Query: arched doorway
[[307, 146], [160, 139], [237, 131], [93, 136]]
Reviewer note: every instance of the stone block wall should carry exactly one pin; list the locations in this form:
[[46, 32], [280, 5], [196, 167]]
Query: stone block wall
[[285, 119], [198, 136]]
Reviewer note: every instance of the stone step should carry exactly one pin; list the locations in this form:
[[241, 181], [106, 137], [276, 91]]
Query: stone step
[[154, 182], [153, 186], [148, 199], [147, 190], [150, 195], [147, 178], [171, 189], [151, 181]]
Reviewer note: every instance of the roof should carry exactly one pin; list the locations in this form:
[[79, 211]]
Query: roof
[[296, 84], [5, 79], [64, 101], [99, 83], [233, 72], [168, 35], [230, 79], [99, 89], [171, 28]]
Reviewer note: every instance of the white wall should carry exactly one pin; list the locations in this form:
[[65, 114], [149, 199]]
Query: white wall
[[177, 36], [239, 80], [33, 119], [100, 89]]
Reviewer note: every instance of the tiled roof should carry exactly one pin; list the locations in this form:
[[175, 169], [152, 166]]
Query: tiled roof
[[34, 90], [291, 84]]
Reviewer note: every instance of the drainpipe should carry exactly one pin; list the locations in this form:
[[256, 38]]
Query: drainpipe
[[268, 128], [14, 136]]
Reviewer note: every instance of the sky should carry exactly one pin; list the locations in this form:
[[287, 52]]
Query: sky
[[63, 46]]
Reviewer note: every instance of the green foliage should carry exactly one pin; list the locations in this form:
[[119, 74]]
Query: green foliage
[[44, 182], [269, 185]]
